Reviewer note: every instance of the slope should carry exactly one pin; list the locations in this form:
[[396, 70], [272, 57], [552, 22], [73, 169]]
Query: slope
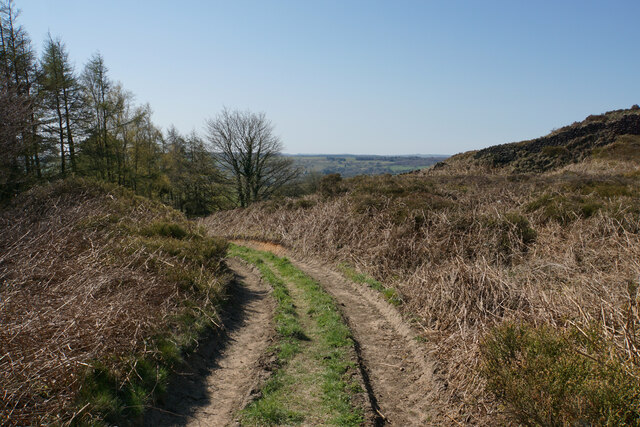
[[571, 144], [102, 291]]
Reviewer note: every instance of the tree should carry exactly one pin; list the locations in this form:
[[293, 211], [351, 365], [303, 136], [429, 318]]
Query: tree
[[145, 174], [97, 88], [193, 183], [18, 67], [246, 148], [14, 113], [61, 100]]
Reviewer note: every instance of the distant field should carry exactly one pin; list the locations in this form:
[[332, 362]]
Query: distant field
[[351, 165]]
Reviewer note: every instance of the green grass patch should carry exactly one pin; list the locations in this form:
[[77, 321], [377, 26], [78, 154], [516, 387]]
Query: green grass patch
[[390, 294], [320, 366], [269, 410]]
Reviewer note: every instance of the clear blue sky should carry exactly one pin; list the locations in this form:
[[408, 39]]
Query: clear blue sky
[[378, 77]]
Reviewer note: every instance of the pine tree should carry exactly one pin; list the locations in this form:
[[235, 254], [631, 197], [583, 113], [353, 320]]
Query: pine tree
[[61, 101]]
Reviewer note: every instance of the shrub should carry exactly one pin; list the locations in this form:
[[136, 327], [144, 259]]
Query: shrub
[[545, 376], [304, 203], [555, 151], [164, 229], [596, 118], [521, 227], [331, 185], [625, 147], [364, 203], [564, 209], [512, 233]]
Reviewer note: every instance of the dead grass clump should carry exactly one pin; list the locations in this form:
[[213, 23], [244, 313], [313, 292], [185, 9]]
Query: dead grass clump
[[625, 147], [92, 318]]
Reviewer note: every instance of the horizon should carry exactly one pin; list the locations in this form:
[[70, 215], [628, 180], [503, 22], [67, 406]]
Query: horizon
[[361, 76], [368, 154]]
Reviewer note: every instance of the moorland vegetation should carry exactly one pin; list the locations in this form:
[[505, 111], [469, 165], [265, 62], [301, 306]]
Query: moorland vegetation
[[523, 278], [102, 293]]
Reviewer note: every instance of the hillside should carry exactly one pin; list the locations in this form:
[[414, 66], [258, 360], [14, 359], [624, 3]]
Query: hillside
[[509, 275], [349, 165], [101, 294], [612, 135]]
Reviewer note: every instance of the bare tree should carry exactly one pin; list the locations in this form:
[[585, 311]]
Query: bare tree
[[246, 148]]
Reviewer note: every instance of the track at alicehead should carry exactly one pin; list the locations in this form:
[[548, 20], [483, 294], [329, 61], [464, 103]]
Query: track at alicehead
[[396, 367]]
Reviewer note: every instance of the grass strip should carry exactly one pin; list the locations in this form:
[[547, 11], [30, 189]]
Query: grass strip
[[269, 410], [337, 344], [321, 373]]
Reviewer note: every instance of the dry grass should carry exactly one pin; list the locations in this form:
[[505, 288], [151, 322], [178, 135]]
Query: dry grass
[[78, 291], [468, 252]]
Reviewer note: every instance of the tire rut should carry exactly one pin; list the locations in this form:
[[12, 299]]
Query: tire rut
[[398, 369], [219, 378]]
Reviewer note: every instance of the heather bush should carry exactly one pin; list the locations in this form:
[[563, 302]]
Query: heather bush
[[547, 376]]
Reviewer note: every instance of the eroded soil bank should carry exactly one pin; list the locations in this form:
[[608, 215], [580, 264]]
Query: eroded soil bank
[[219, 378]]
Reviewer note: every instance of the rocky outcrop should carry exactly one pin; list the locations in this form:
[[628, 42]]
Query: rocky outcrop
[[570, 144]]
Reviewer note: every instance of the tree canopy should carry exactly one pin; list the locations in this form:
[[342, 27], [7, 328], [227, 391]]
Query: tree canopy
[[56, 122], [246, 147]]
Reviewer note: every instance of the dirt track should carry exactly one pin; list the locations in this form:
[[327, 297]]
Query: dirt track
[[220, 377], [396, 369]]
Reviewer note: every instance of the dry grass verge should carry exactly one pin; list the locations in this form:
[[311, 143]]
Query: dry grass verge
[[101, 292]]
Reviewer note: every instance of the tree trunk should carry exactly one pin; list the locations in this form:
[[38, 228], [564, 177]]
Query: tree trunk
[[67, 116]]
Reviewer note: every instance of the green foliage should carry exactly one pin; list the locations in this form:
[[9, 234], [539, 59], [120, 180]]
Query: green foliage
[[402, 198], [367, 204], [514, 233], [546, 376], [564, 208], [61, 123], [522, 227], [625, 147], [583, 198], [304, 203], [330, 185]]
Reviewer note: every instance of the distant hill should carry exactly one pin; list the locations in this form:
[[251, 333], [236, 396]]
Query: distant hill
[[349, 165], [614, 135]]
